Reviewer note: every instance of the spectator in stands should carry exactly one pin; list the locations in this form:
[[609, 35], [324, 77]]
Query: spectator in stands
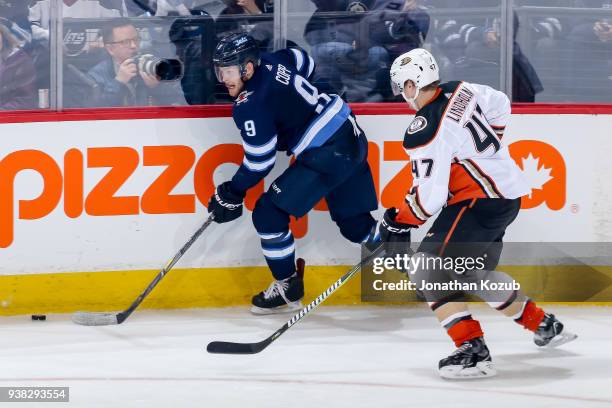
[[590, 45], [247, 16], [82, 48], [343, 49], [16, 11], [525, 80], [158, 8], [473, 46], [40, 15], [398, 26], [191, 39], [17, 74], [121, 82]]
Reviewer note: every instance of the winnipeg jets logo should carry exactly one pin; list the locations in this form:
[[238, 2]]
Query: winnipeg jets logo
[[243, 97], [240, 41], [418, 123]]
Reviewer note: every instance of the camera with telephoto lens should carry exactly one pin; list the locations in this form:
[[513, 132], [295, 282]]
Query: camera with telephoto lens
[[164, 69]]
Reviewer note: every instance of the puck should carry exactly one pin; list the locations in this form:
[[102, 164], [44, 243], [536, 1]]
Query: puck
[[39, 317]]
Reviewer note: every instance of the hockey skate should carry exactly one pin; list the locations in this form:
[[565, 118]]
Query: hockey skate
[[551, 333], [470, 361], [282, 296]]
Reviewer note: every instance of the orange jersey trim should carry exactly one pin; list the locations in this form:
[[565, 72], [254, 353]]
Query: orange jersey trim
[[463, 186], [407, 216], [452, 229]]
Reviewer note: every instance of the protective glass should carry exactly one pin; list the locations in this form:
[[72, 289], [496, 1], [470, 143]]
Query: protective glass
[[231, 73]]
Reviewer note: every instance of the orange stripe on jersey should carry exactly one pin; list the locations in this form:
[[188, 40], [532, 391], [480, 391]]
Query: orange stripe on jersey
[[452, 229], [463, 186], [406, 215]]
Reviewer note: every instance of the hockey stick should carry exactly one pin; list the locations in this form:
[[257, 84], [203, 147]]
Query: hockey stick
[[224, 347], [105, 319]]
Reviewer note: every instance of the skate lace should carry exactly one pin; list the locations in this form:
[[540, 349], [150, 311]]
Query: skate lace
[[462, 349], [277, 288]]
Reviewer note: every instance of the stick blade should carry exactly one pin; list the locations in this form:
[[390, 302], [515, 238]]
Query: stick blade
[[95, 318], [225, 347]]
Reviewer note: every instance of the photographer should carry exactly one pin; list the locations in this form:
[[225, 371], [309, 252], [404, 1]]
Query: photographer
[[120, 80]]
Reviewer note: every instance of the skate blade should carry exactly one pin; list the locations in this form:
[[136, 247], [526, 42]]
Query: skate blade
[[288, 308], [484, 369], [561, 338]]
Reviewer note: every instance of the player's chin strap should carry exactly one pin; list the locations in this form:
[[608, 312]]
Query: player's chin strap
[[412, 101]]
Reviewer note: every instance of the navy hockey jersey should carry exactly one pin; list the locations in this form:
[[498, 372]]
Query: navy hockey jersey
[[280, 110]]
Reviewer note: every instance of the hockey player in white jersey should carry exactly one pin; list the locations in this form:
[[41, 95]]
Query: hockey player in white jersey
[[462, 169]]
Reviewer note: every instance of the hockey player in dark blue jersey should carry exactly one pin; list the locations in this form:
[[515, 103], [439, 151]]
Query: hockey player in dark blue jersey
[[277, 108]]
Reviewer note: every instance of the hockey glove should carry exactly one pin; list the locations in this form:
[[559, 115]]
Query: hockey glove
[[394, 234], [226, 204]]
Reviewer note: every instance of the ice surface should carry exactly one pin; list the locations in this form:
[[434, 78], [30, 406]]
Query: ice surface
[[336, 357]]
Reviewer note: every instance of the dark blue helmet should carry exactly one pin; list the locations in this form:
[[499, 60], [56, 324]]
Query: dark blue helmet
[[236, 50]]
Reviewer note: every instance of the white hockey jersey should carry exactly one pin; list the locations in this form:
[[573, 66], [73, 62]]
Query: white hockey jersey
[[457, 153]]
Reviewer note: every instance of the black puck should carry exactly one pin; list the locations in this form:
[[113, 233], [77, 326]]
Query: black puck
[[39, 317]]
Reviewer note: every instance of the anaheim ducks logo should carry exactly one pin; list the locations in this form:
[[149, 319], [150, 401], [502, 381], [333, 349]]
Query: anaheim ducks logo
[[405, 61], [418, 123]]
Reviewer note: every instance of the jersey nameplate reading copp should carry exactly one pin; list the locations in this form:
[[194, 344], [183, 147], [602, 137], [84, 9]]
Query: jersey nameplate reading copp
[[283, 75]]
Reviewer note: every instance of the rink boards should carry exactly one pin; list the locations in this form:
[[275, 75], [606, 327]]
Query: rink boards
[[91, 209]]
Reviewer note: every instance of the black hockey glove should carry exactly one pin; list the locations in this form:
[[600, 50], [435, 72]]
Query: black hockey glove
[[226, 204], [395, 235]]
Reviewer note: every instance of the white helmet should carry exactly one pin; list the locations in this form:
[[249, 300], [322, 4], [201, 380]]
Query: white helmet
[[418, 66]]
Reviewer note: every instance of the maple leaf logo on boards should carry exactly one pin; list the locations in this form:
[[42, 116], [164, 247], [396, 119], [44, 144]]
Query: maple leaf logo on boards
[[543, 167], [536, 173]]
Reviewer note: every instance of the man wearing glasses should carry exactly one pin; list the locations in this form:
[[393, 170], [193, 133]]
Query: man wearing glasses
[[120, 81]]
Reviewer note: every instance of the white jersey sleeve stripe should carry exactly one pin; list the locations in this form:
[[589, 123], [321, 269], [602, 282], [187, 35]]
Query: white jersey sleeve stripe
[[260, 150], [311, 66], [299, 58], [259, 166]]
